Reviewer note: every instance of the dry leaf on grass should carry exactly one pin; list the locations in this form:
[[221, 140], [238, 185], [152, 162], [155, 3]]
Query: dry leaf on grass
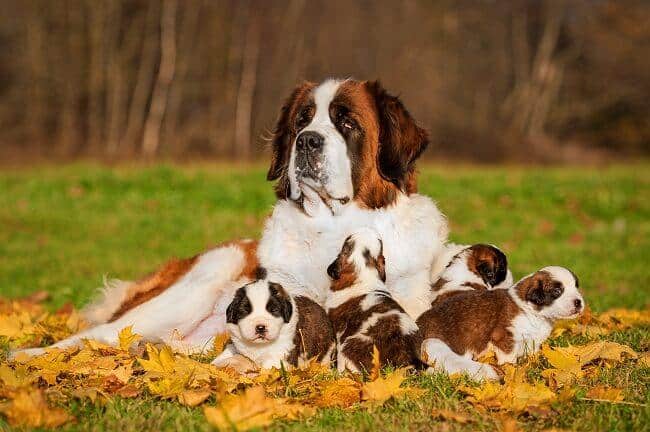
[[605, 393], [29, 408], [568, 362], [342, 393], [127, 338], [382, 389], [253, 408], [516, 394]]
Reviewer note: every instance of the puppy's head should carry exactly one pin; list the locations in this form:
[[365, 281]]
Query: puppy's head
[[360, 258], [552, 292], [258, 312], [481, 265]]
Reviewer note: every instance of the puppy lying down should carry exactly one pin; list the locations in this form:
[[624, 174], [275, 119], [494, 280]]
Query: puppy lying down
[[269, 327], [363, 313], [512, 322]]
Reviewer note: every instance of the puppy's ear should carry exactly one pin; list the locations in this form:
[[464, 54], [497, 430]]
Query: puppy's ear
[[334, 269], [286, 309], [381, 267], [281, 141], [233, 310], [401, 140]]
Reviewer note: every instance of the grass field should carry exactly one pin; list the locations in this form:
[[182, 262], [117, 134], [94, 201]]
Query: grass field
[[62, 229]]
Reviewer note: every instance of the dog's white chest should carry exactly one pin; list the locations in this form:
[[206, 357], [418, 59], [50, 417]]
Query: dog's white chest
[[296, 249]]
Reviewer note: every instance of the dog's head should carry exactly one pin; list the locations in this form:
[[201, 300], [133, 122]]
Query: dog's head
[[258, 312], [481, 266], [344, 140], [361, 259], [552, 292]]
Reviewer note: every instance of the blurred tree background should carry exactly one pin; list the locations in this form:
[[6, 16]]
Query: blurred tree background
[[492, 80]]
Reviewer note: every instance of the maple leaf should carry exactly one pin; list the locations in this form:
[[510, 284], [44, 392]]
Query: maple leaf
[[516, 394], [376, 364], [566, 367], [219, 344], [604, 350], [343, 393], [605, 393], [193, 398], [382, 389], [29, 408], [159, 362], [127, 338], [251, 409]]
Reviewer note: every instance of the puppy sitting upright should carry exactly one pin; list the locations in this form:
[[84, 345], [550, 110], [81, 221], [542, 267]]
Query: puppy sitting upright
[[512, 322], [269, 327], [479, 266], [362, 312]]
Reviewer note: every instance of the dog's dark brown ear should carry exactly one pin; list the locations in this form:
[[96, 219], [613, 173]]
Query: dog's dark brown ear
[[281, 141], [239, 307], [401, 140]]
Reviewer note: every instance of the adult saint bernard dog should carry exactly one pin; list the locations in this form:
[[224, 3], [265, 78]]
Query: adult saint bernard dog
[[344, 155]]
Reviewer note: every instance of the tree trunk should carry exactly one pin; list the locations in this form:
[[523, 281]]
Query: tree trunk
[[247, 83], [151, 138]]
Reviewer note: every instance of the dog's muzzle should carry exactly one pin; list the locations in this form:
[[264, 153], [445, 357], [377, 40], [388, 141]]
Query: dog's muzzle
[[309, 155]]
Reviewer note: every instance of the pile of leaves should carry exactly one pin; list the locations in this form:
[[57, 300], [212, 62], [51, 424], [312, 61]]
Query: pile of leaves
[[34, 392]]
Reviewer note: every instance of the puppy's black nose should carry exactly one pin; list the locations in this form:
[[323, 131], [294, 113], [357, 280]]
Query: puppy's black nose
[[260, 329], [577, 303], [310, 141]]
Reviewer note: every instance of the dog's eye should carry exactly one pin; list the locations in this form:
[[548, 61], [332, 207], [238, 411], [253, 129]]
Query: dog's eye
[[344, 121], [556, 292], [302, 118]]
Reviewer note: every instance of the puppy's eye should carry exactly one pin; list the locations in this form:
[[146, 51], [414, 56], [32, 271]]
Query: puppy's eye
[[556, 292]]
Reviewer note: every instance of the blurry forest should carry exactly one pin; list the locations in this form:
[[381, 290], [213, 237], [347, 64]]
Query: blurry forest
[[491, 80]]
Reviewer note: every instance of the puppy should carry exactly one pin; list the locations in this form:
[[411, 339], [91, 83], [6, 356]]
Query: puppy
[[269, 327], [513, 322], [363, 313], [479, 266]]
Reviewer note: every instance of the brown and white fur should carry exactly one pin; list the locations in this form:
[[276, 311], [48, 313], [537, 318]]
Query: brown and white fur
[[479, 266], [269, 327], [512, 322], [363, 313], [344, 154]]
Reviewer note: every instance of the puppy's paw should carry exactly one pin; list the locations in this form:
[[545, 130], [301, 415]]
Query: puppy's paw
[[486, 372], [238, 362]]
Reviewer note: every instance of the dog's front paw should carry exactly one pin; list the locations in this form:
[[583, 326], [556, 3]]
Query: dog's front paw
[[238, 362], [28, 352]]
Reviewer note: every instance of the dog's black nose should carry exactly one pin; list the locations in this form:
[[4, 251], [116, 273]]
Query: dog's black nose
[[577, 303], [260, 329], [310, 141]]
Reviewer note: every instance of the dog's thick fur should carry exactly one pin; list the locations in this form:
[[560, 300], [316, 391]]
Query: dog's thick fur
[[344, 157]]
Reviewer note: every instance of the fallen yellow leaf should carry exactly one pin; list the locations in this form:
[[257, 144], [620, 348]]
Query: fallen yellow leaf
[[29, 408], [251, 409], [382, 389], [127, 338], [193, 397], [605, 393], [376, 364]]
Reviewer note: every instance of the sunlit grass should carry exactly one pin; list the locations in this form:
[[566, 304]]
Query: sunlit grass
[[62, 229]]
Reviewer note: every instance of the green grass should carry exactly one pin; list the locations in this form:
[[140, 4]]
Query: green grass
[[62, 229]]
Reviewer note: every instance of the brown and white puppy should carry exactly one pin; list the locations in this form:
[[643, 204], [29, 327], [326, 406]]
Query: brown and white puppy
[[513, 322], [363, 313], [479, 266], [269, 327]]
